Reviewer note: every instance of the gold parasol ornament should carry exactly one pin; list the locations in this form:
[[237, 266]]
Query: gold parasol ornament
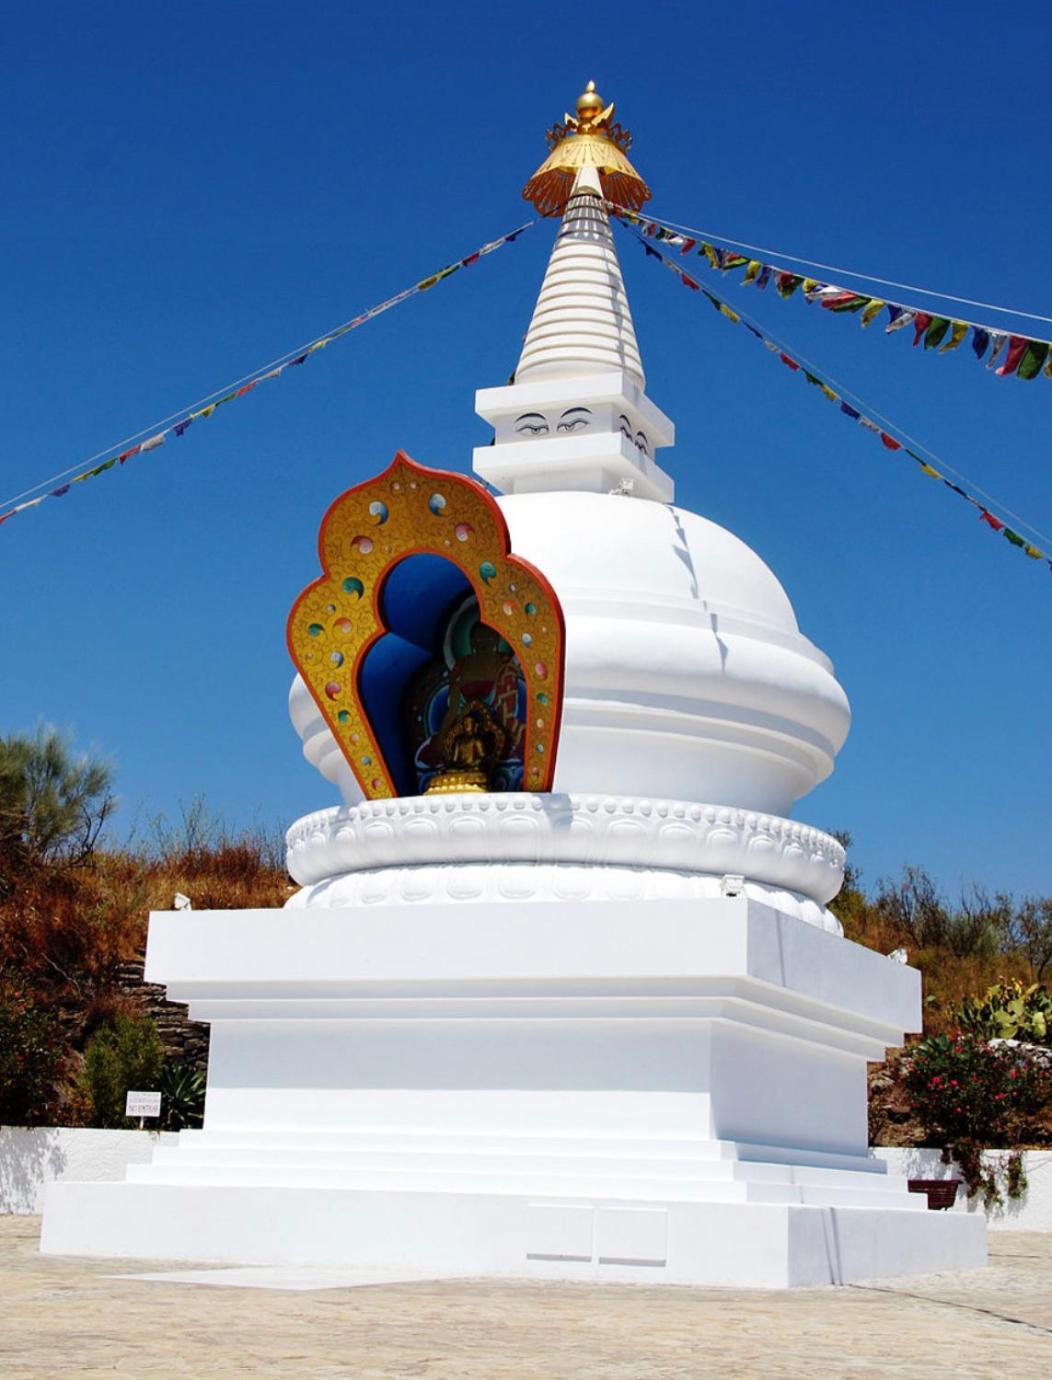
[[589, 139]]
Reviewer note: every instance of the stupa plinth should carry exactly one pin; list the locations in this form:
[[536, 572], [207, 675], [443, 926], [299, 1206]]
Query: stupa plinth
[[589, 1018]]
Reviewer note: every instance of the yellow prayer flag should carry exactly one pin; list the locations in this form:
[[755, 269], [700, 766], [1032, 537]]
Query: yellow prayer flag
[[1033, 553], [928, 470], [872, 309], [833, 397], [752, 271], [730, 315]]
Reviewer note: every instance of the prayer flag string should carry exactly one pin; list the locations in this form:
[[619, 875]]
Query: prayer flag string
[[845, 408], [188, 418], [1006, 353]]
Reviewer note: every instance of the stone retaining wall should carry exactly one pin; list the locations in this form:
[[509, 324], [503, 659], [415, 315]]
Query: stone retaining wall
[[185, 1041]]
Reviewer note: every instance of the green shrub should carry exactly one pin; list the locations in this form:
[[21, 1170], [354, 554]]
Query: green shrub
[[32, 1058], [119, 1057], [1009, 1011]]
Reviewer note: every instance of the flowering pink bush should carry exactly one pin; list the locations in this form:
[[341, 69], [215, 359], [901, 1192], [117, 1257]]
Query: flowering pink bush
[[969, 1095], [964, 1089]]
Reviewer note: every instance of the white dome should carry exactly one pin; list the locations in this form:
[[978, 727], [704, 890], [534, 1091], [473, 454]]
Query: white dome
[[686, 674]]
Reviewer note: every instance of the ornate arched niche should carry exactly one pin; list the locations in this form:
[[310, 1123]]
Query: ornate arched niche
[[434, 654]]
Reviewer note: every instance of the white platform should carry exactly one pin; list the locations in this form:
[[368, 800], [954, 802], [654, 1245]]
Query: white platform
[[623, 1090]]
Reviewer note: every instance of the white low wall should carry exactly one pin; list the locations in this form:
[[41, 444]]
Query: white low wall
[[1033, 1212], [31, 1158]]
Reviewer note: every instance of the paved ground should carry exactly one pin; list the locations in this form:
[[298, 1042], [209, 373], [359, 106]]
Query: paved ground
[[63, 1317]]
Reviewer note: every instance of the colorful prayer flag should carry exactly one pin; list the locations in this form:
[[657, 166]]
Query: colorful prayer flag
[[1034, 357], [786, 283], [921, 321], [1016, 346], [936, 332]]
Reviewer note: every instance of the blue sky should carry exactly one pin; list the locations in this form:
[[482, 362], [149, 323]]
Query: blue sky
[[192, 190]]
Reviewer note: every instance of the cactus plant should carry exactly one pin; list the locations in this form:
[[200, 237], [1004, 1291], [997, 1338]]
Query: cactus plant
[[1009, 1011]]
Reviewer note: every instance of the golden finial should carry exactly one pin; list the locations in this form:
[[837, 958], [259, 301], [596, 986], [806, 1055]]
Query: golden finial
[[588, 139]]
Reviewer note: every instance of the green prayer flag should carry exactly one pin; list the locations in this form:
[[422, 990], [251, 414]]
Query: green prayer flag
[[1034, 357], [1014, 537], [936, 331]]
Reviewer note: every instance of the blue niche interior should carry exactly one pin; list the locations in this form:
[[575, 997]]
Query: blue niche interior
[[435, 658], [416, 602]]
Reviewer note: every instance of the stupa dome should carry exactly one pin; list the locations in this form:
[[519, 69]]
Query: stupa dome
[[686, 675]]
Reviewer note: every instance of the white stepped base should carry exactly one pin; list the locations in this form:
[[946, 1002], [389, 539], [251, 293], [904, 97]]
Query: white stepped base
[[743, 1244], [529, 1088], [689, 1170]]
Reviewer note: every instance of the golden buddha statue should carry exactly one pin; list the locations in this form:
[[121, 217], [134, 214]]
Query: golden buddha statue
[[471, 747]]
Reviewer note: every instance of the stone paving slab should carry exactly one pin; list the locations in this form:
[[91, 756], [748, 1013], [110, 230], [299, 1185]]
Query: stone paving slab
[[65, 1317]]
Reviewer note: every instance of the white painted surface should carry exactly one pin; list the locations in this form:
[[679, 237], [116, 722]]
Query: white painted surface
[[470, 1096], [35, 1156], [582, 323], [1033, 1212], [458, 849], [762, 1245]]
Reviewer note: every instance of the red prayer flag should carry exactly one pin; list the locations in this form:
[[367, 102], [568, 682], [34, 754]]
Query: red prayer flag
[[1016, 346], [688, 281], [129, 453], [791, 362], [890, 441], [247, 389], [687, 246], [837, 299], [471, 258], [990, 520], [921, 322]]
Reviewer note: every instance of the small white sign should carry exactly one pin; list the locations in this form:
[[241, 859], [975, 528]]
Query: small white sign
[[143, 1104]]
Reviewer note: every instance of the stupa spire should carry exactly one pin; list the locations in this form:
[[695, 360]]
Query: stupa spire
[[582, 321], [575, 415]]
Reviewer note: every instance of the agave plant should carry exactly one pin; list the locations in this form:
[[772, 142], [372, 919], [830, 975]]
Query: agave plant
[[182, 1097]]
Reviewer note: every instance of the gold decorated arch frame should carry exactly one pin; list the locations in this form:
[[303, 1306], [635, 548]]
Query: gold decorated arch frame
[[411, 510]]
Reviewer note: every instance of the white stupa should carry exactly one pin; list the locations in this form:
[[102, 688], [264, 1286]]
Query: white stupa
[[603, 1029]]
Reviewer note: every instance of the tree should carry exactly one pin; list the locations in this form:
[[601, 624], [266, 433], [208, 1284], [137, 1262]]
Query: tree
[[53, 805], [1032, 931]]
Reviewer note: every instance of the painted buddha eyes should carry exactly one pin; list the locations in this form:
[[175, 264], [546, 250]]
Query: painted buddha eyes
[[536, 423], [639, 440]]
